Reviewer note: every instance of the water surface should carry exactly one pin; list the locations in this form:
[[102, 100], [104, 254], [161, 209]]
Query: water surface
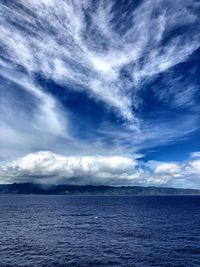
[[106, 231]]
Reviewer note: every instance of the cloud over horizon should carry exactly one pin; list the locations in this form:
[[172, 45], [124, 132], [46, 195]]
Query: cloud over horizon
[[46, 167]]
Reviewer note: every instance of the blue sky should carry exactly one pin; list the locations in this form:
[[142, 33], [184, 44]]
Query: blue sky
[[100, 92]]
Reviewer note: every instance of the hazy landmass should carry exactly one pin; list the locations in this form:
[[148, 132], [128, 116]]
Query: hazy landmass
[[29, 188]]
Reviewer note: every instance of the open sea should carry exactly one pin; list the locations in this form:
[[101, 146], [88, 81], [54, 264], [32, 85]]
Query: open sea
[[127, 231]]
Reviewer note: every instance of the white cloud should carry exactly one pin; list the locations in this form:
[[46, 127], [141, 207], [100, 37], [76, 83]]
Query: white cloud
[[183, 174], [48, 167], [164, 167], [45, 166], [195, 154], [193, 167], [56, 40], [47, 116]]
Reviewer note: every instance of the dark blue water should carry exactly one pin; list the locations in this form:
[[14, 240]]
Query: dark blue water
[[100, 231]]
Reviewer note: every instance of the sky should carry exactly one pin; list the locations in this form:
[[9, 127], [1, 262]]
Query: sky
[[100, 92]]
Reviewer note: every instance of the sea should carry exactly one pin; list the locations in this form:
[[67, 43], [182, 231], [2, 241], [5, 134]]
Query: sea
[[89, 231]]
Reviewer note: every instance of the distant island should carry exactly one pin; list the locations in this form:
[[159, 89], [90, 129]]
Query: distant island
[[30, 188]]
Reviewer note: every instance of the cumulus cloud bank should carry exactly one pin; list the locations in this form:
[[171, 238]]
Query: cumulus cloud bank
[[48, 167]]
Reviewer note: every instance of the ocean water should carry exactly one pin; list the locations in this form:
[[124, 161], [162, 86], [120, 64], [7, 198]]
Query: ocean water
[[140, 231]]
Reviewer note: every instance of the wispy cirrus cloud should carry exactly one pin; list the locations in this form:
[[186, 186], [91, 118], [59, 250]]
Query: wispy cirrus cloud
[[88, 45]]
